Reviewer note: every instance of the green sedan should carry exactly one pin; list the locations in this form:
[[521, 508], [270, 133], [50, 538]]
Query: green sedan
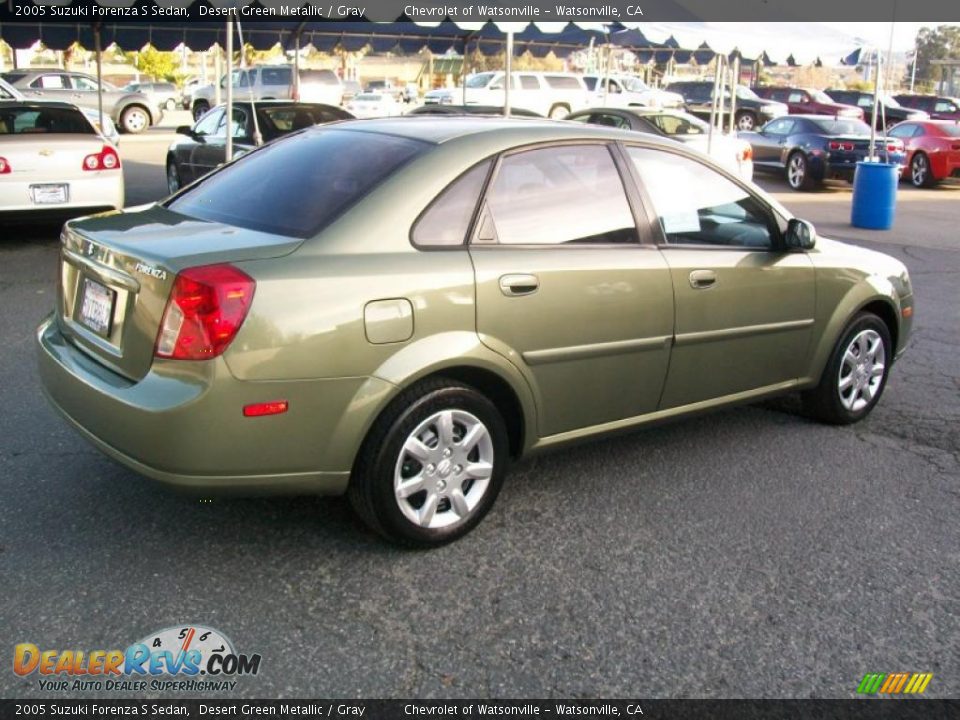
[[396, 309]]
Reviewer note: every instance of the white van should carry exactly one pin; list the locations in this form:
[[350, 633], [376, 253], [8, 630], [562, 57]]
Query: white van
[[320, 86], [552, 94], [626, 90]]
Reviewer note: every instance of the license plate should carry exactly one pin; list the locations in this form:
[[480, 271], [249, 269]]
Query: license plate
[[50, 194], [96, 307]]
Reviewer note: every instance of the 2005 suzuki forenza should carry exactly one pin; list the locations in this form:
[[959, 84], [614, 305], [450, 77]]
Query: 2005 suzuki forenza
[[395, 309]]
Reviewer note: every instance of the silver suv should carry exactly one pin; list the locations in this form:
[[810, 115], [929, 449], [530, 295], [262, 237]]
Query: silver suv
[[552, 94], [264, 82]]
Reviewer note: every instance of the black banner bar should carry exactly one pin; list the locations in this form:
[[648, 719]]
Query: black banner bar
[[609, 11], [899, 709]]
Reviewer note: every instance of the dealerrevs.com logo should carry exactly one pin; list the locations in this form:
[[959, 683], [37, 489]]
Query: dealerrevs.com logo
[[188, 658]]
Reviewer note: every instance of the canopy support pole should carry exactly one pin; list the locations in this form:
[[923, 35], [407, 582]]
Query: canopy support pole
[[507, 80], [229, 109], [734, 81], [713, 104], [97, 45], [296, 61]]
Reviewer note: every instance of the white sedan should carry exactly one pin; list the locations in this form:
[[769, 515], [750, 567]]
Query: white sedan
[[730, 152], [370, 105], [53, 158]]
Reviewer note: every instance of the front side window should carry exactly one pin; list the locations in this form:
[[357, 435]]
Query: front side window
[[85, 84], [902, 131], [207, 125], [300, 183], [698, 206], [447, 220], [560, 195], [238, 126], [781, 126]]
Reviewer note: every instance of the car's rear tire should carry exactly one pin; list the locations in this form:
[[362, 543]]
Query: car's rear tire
[[559, 111], [432, 465], [173, 177], [856, 373], [134, 119], [798, 172], [921, 174], [200, 108], [746, 121]]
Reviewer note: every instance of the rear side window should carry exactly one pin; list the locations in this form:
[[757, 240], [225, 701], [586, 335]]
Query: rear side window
[[276, 76], [529, 82], [569, 194], [299, 184], [50, 120], [447, 220], [562, 82]]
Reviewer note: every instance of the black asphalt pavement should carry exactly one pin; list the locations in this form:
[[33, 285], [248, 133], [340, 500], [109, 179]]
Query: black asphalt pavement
[[748, 553]]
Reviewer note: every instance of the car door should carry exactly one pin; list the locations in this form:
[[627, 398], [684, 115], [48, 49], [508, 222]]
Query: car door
[[769, 142], [744, 306], [566, 291], [192, 157], [84, 93]]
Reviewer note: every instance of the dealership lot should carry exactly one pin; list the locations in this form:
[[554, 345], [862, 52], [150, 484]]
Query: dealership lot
[[745, 553]]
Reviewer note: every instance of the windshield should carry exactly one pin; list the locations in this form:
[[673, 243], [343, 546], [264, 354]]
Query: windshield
[[820, 96], [746, 93], [842, 127], [679, 124], [479, 81], [299, 184], [889, 101]]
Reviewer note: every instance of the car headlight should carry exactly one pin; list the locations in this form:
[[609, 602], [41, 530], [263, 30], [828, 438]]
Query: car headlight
[[446, 99]]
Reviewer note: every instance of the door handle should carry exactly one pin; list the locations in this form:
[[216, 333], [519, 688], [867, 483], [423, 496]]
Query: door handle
[[703, 279], [519, 284]]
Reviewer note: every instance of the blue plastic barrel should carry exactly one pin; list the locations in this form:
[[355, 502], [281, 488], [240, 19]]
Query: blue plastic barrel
[[875, 195]]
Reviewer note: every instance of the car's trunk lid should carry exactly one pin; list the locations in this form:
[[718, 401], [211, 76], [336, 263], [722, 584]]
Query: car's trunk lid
[[117, 270]]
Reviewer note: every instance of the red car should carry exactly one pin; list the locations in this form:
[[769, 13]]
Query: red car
[[807, 101], [933, 149]]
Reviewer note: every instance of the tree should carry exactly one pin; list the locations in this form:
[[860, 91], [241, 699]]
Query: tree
[[157, 64], [939, 43]]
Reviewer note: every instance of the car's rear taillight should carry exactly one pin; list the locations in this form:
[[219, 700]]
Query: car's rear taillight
[[206, 308], [834, 145], [106, 159], [5, 168], [894, 146]]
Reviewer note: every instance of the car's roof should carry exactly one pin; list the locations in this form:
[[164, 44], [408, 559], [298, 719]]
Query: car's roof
[[439, 129], [633, 110], [815, 116], [39, 104]]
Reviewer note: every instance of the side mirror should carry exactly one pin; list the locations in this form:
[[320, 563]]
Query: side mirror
[[800, 235], [496, 86], [184, 130]]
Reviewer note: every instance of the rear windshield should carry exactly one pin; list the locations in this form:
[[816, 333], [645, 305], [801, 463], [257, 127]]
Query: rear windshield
[[951, 130], [43, 121], [843, 127], [280, 120], [300, 183]]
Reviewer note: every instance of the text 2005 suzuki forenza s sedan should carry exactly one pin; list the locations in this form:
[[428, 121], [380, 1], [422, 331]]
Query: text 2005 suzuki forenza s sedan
[[395, 309]]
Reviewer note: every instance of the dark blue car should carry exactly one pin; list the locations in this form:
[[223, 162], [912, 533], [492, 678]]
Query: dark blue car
[[812, 148]]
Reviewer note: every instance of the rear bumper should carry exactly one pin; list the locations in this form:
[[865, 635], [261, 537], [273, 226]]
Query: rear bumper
[[183, 424], [103, 189]]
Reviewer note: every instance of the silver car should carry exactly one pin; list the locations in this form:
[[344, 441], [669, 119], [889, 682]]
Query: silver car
[[133, 112]]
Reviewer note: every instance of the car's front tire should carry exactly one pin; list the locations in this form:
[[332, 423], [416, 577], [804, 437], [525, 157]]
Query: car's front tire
[[432, 465], [856, 373], [173, 177], [798, 172], [746, 121]]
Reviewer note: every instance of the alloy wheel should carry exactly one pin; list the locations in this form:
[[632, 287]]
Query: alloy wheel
[[796, 171], [745, 122], [861, 370], [919, 169], [444, 469]]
